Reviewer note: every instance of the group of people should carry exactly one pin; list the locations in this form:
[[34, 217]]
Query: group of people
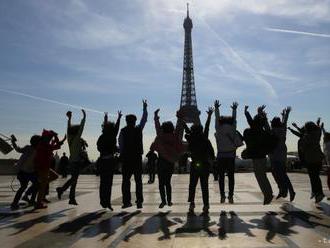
[[262, 139]]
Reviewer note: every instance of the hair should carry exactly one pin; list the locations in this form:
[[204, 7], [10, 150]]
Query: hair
[[130, 120], [108, 127], [276, 122], [196, 129], [35, 139], [258, 121], [226, 120], [167, 127], [73, 129], [310, 127]]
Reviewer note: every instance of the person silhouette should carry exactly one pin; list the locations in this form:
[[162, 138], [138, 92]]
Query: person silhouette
[[278, 157], [151, 165], [228, 140], [26, 169], [202, 155], [258, 144], [326, 151], [74, 133], [63, 165], [106, 145], [169, 146], [131, 150]]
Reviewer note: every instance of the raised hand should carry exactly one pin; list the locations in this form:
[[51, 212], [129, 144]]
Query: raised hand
[[145, 104], [294, 124], [216, 104], [234, 105], [119, 114], [246, 108], [318, 121], [288, 109], [156, 112], [210, 111], [261, 109], [69, 114], [84, 112]]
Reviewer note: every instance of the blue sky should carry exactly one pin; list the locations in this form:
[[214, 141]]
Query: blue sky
[[108, 55]]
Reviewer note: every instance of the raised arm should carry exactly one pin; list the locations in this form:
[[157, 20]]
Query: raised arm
[[69, 115], [15, 146], [208, 121], [323, 129], [217, 114], [248, 116], [300, 130], [234, 113], [117, 125], [298, 134], [285, 115], [157, 123], [144, 114]]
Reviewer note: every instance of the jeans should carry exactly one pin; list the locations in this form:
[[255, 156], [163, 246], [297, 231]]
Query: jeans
[[165, 172], [281, 177], [314, 176], [203, 175], [132, 166], [106, 177], [226, 165], [260, 172]]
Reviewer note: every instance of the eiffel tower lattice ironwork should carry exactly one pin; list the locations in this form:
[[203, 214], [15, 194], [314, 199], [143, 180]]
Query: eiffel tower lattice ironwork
[[188, 105]]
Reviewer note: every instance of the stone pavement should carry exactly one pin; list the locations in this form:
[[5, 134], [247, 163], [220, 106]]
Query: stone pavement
[[247, 223]]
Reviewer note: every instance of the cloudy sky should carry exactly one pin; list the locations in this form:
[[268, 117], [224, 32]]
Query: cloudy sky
[[107, 55]]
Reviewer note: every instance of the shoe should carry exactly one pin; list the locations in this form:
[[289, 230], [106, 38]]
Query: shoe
[[268, 200], [292, 196], [40, 206], [14, 206], [319, 198], [73, 202], [46, 200], [139, 205], [110, 208], [223, 199], [126, 205], [26, 199], [59, 193], [170, 204], [278, 196], [231, 200], [162, 204]]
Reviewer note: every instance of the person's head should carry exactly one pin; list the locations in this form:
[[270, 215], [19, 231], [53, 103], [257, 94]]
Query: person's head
[[258, 121], [108, 128], [276, 122], [73, 130], [226, 120], [196, 129], [130, 120], [310, 127], [167, 127], [47, 135], [35, 139]]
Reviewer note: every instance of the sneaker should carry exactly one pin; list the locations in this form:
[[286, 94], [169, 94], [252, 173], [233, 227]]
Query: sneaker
[[312, 196], [223, 199], [170, 204], [162, 205], [278, 196], [73, 202], [231, 200], [268, 200], [126, 205], [292, 196], [59, 193], [139, 205], [319, 198]]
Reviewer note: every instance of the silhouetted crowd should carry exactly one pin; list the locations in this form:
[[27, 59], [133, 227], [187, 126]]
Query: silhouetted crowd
[[173, 144]]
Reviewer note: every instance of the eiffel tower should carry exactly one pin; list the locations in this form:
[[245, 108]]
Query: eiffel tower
[[188, 105]]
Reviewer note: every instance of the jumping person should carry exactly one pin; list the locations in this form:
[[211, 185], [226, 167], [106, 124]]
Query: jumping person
[[326, 151], [74, 133], [170, 148], [278, 157], [131, 150], [44, 154], [106, 145], [151, 165], [257, 146], [202, 155], [26, 169], [228, 140]]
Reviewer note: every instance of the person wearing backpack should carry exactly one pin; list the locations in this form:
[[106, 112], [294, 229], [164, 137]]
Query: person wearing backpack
[[278, 157], [75, 143], [131, 150], [169, 146], [313, 157], [202, 156], [106, 145], [228, 140], [258, 144], [26, 168]]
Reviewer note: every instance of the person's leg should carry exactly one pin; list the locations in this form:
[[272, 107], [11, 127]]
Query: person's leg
[[260, 171], [204, 178], [75, 175], [231, 176], [43, 182], [161, 182], [126, 183], [24, 181], [311, 179], [110, 188], [192, 185], [275, 173], [34, 188], [168, 186], [103, 182], [221, 177], [318, 183], [139, 186]]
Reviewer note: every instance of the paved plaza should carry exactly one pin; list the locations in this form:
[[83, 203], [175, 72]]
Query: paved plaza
[[247, 223]]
